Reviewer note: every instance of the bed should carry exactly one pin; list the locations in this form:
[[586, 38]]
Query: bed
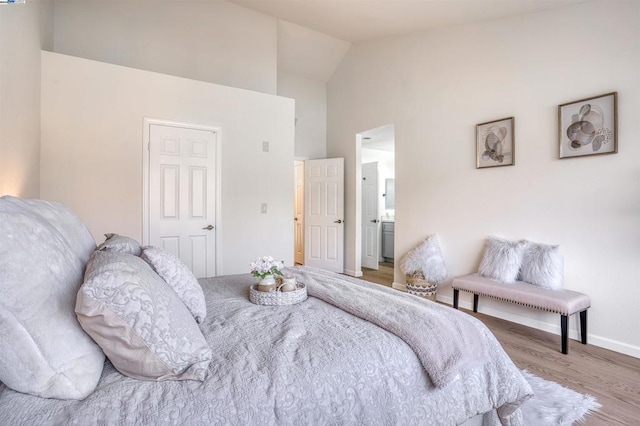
[[308, 363]]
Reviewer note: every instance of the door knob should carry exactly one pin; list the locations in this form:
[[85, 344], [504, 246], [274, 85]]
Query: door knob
[[375, 221], [295, 218], [209, 228], [337, 221]]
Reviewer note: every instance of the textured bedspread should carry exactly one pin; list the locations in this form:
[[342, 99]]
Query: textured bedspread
[[453, 341], [309, 363]]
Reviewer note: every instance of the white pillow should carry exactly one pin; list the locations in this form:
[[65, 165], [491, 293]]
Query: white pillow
[[139, 322], [542, 265], [44, 352], [425, 259], [179, 277], [502, 259], [115, 242]]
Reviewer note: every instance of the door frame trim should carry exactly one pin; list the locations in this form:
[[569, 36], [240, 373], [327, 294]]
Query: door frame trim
[[146, 134], [297, 162]]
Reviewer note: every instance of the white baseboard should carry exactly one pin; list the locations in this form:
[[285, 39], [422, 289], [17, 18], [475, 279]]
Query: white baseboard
[[357, 274], [592, 339], [399, 286]]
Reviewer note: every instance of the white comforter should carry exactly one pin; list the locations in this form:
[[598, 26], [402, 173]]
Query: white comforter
[[307, 364], [445, 342]]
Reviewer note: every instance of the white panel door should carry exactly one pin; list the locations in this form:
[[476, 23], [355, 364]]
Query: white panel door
[[324, 214], [298, 214], [370, 221], [182, 197]]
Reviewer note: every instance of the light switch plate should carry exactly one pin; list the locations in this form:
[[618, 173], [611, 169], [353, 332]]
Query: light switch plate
[[265, 146], [263, 208]]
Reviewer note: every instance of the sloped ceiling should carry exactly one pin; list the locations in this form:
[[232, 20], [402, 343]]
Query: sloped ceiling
[[362, 20], [308, 53]]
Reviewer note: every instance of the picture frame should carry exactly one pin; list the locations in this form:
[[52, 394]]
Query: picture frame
[[495, 143], [588, 126]]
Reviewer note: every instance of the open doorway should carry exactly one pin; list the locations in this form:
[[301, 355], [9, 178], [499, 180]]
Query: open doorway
[[377, 207]]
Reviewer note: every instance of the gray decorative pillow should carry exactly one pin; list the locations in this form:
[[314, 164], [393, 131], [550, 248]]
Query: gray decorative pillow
[[115, 242], [139, 322], [179, 277], [501, 260], [542, 265], [44, 352]]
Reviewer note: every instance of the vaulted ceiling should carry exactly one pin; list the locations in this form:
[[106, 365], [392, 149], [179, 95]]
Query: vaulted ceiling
[[362, 20]]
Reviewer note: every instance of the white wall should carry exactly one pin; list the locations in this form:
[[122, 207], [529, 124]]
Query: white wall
[[306, 60], [214, 41], [311, 114], [435, 87], [92, 149], [24, 30]]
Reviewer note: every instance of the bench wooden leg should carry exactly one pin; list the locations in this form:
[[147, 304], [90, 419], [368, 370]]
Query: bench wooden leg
[[583, 327], [564, 326], [456, 298]]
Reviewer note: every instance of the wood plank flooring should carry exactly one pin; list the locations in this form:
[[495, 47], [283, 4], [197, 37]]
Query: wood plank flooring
[[613, 378], [384, 274]]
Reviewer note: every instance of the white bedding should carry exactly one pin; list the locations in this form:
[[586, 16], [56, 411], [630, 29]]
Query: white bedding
[[445, 342], [309, 363]]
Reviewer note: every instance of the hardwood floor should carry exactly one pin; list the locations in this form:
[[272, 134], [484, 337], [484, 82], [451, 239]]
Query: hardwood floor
[[384, 274], [613, 378]]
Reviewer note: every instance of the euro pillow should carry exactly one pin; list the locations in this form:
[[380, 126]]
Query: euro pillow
[[115, 242], [68, 224], [501, 260], [138, 321], [44, 352], [179, 277], [542, 265]]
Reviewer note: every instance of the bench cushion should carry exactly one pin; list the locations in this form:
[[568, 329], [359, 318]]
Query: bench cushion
[[565, 302]]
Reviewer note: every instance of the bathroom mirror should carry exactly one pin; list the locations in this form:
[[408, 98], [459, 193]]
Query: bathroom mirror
[[390, 194]]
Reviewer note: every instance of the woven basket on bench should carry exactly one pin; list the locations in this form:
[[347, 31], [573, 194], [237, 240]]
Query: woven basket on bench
[[417, 285]]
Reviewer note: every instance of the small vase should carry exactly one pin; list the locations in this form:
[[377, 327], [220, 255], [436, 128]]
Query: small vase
[[268, 283]]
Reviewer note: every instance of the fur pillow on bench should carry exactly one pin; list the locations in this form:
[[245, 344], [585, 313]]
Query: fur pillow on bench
[[501, 260], [534, 263], [542, 265]]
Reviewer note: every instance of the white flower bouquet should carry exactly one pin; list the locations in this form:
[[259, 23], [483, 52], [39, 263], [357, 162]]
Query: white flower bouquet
[[266, 265]]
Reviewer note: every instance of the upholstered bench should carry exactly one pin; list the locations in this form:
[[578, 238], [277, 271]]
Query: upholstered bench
[[563, 302]]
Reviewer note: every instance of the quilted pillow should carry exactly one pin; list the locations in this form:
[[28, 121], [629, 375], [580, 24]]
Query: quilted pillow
[[542, 265], [44, 352], [179, 277], [115, 242], [501, 260], [140, 323]]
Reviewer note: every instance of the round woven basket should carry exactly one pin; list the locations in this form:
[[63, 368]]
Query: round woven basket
[[278, 298], [417, 285]]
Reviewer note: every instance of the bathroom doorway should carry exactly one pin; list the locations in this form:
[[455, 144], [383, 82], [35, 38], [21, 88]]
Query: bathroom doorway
[[377, 207]]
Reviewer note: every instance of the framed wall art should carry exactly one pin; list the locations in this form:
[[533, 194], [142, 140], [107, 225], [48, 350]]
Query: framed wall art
[[495, 143], [589, 126]]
